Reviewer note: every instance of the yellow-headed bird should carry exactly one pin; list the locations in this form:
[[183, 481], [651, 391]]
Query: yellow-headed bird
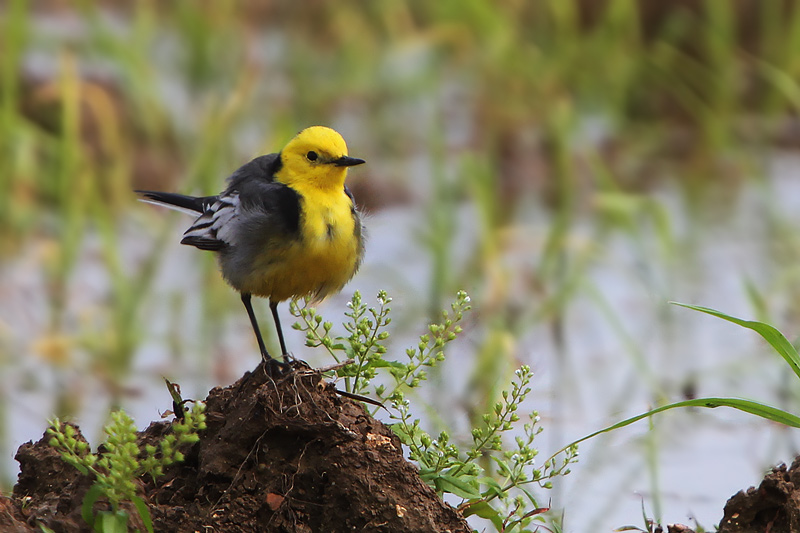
[[286, 225]]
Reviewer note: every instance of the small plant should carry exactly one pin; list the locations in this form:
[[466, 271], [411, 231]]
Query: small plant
[[121, 462], [499, 494], [492, 478], [364, 346]]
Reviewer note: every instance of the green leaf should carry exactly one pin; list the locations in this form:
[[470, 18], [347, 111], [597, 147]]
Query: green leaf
[[92, 495], [383, 363], [348, 350], [401, 432], [774, 337], [484, 510], [80, 467], [428, 474], [502, 467], [144, 513], [530, 496], [112, 522], [480, 508], [493, 488], [463, 486]]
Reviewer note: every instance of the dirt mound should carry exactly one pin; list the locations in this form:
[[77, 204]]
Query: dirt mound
[[774, 506], [288, 455]]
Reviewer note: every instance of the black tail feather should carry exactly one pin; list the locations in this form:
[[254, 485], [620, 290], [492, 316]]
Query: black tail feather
[[197, 204]]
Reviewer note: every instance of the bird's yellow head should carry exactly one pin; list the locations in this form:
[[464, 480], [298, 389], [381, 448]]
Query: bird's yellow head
[[317, 156]]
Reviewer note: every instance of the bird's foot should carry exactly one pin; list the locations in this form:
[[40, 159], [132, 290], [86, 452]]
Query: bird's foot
[[276, 368]]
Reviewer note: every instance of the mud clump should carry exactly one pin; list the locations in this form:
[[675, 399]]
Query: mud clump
[[284, 455], [774, 506]]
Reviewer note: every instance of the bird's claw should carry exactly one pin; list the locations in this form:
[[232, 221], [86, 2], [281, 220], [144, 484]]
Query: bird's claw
[[276, 368]]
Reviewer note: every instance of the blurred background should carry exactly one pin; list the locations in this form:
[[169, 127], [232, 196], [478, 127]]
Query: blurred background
[[573, 164]]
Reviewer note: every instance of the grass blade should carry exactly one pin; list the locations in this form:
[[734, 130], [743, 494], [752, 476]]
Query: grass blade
[[774, 337], [747, 406]]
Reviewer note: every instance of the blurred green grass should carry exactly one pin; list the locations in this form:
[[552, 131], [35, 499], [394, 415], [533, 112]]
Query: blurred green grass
[[576, 108]]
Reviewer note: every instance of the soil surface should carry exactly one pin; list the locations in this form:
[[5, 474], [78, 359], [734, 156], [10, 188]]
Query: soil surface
[[283, 455], [773, 507]]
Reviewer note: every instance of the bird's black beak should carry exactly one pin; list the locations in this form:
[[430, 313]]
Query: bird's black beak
[[346, 161]]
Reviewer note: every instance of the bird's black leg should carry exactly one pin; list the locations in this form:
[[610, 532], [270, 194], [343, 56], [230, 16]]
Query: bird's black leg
[[273, 306], [269, 362]]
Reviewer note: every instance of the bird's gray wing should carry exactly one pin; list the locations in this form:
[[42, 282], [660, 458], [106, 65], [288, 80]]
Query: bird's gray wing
[[211, 230], [255, 212]]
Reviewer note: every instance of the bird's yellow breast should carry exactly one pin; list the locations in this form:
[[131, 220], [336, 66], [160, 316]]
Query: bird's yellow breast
[[322, 259]]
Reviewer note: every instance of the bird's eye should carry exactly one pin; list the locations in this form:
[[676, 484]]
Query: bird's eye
[[312, 156]]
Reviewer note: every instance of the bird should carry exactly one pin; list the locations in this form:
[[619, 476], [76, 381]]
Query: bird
[[286, 226]]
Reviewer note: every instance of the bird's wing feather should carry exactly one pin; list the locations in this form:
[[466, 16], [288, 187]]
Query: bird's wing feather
[[249, 213], [205, 243], [212, 229]]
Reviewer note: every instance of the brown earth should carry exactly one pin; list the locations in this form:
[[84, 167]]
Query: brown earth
[[773, 507], [288, 455]]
